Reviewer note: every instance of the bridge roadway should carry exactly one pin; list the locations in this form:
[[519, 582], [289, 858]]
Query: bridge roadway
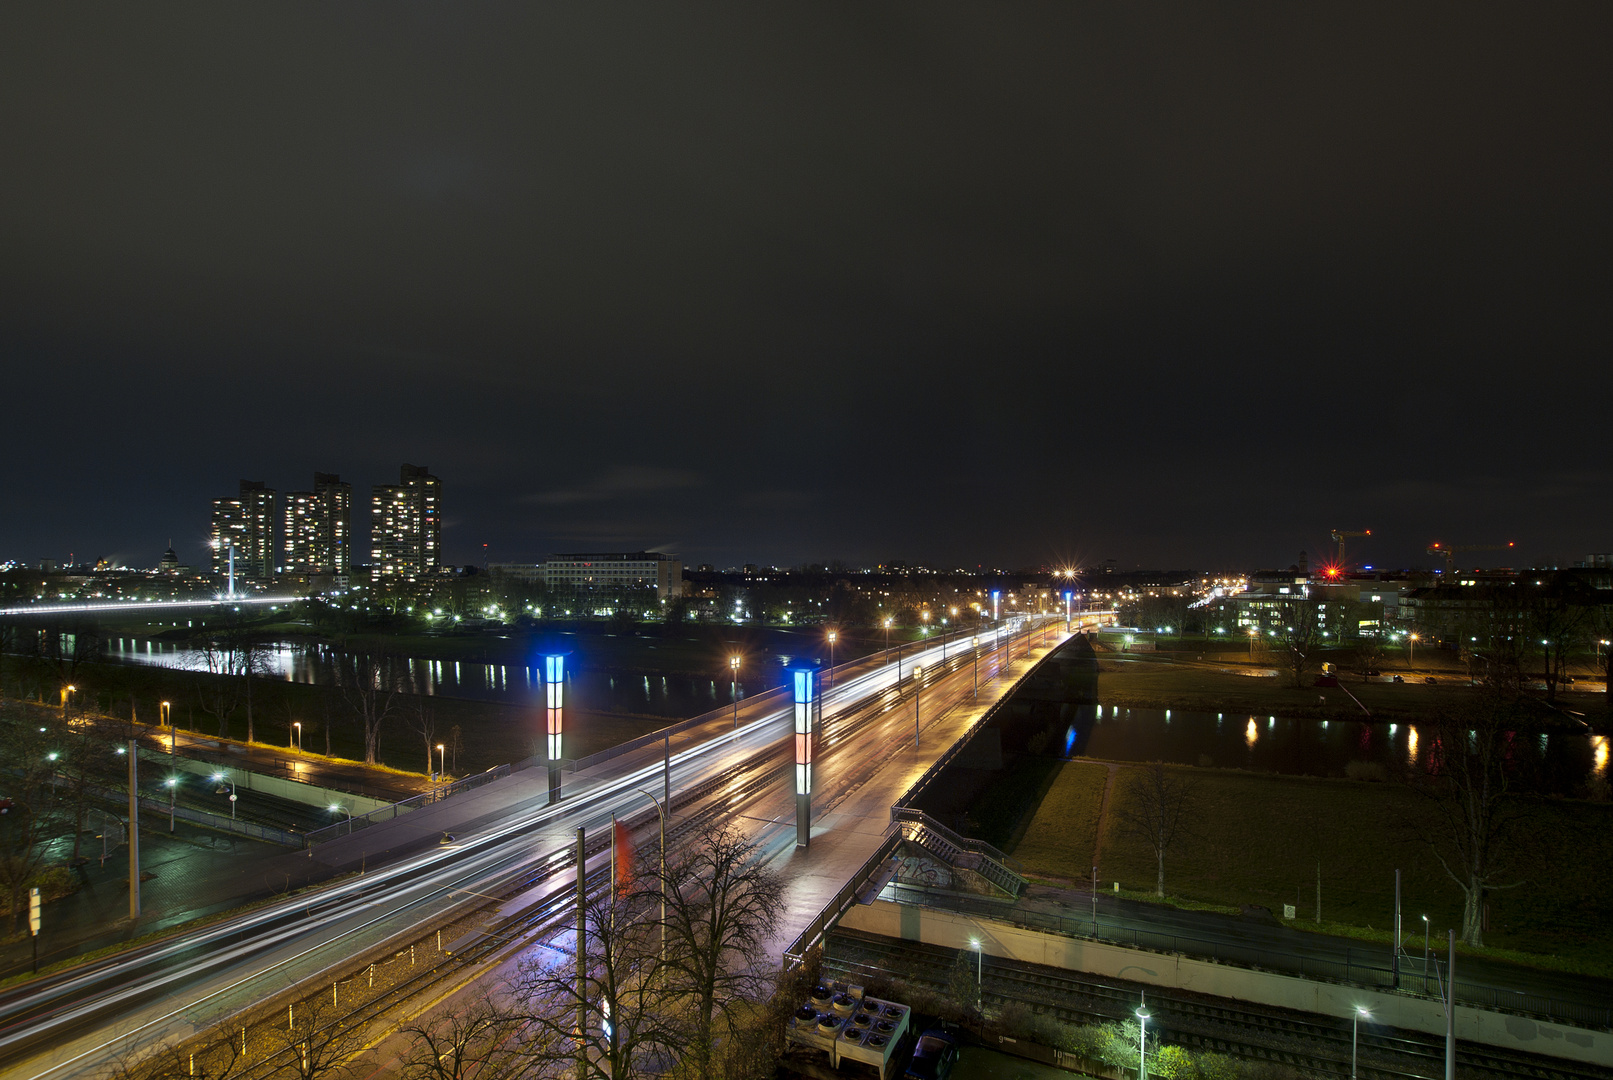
[[509, 839]]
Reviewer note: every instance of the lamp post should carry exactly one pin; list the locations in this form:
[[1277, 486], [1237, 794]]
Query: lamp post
[[1355, 1031], [1253, 633], [442, 763], [980, 975], [1411, 648], [221, 778], [173, 783], [344, 810], [554, 700], [662, 815], [887, 639], [1425, 954], [833, 635], [733, 685], [1142, 1041], [167, 721], [296, 734], [67, 692]]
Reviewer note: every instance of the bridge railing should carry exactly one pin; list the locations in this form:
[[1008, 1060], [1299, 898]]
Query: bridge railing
[[843, 899]]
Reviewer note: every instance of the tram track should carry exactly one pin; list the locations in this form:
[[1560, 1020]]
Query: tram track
[[1300, 1040]]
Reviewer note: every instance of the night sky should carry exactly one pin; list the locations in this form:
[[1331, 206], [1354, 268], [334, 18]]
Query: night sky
[[987, 284]]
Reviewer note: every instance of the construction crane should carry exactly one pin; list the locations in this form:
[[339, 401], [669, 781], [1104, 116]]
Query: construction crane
[[1339, 537], [1449, 551]]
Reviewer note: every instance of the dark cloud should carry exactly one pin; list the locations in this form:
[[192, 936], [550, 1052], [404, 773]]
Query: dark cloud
[[972, 284]]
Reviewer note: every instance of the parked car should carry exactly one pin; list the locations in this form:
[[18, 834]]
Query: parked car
[[1400, 678], [933, 1057]]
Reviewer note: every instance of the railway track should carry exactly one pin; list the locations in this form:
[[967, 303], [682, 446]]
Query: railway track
[[1317, 1045]]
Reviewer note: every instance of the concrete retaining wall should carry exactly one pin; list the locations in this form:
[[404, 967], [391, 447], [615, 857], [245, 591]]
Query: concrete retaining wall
[[279, 787], [955, 930]]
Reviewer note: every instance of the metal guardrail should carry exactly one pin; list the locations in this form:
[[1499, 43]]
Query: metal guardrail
[[403, 806], [1366, 971], [912, 793], [842, 900], [199, 817], [993, 865]]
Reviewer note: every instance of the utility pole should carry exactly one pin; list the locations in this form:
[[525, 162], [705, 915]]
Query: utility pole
[[134, 829], [582, 957], [1450, 1006], [1395, 959]]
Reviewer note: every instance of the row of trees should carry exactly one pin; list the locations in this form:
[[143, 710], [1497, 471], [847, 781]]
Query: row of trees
[[687, 997]]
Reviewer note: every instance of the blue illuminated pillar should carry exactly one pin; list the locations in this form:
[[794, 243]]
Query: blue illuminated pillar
[[804, 681], [554, 701]]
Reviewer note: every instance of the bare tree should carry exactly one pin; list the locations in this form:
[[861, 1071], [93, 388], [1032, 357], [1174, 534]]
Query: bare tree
[[319, 1042], [625, 1032], [722, 906], [31, 822], [1557, 622], [218, 662], [1299, 635], [481, 1040], [1472, 819], [371, 693], [1155, 812], [422, 720]]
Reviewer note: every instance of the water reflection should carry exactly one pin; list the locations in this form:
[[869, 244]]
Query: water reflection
[[1552, 762], [671, 696]]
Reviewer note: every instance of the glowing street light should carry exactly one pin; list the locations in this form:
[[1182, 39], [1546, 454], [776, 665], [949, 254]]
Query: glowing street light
[[1142, 1041], [980, 975], [887, 639], [296, 734], [1355, 1030], [173, 784], [335, 809], [442, 763], [1411, 646], [833, 636], [222, 778], [733, 685]]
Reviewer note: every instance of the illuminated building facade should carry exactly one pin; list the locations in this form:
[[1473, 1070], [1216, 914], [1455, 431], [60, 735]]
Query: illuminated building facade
[[245, 523], [614, 574], [319, 527], [406, 526]]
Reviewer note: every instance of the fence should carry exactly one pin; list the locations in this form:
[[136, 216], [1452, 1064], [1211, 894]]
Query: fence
[[993, 865], [1359, 967], [199, 817], [403, 806]]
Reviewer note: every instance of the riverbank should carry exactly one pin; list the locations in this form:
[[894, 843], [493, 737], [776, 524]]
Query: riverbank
[[1258, 839]]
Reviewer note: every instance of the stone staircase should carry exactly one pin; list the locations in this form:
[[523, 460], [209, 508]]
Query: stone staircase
[[958, 851]]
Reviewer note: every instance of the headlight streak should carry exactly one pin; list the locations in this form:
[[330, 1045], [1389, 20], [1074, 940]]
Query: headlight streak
[[474, 860]]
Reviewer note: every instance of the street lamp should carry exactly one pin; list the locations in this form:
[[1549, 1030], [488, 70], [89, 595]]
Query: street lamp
[[1253, 633], [168, 722], [833, 636], [980, 970], [296, 734], [221, 778], [173, 784], [1355, 1030], [67, 691], [1142, 1041], [442, 762], [1425, 954], [887, 639], [733, 685], [344, 810], [1411, 647]]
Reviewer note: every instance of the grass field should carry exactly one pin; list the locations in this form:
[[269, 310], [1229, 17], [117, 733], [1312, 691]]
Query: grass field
[[1257, 839], [1066, 823]]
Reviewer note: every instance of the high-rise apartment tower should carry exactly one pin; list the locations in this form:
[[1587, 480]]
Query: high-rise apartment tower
[[406, 526], [319, 527], [245, 523]]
